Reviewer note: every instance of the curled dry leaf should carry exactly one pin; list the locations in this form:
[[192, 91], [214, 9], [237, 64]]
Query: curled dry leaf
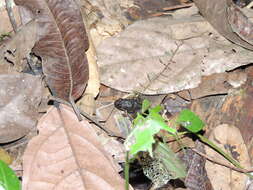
[[61, 42], [212, 10], [67, 155], [174, 53], [20, 95], [228, 138]]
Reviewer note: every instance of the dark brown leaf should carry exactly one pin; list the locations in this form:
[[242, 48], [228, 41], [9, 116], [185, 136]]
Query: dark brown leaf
[[62, 42], [216, 13]]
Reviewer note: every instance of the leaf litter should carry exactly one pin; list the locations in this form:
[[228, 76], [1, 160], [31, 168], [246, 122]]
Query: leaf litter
[[178, 54]]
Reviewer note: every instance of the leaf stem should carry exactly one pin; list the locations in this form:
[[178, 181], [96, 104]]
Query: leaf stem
[[126, 171]]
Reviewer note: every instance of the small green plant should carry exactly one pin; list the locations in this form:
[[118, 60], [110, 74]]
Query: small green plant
[[150, 121], [8, 179]]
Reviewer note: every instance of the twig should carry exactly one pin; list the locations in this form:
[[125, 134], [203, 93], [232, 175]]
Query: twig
[[222, 163], [87, 116], [9, 10], [177, 7]]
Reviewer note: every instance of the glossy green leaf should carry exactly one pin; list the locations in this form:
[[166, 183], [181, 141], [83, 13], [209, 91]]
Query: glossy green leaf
[[190, 121], [145, 105], [8, 179]]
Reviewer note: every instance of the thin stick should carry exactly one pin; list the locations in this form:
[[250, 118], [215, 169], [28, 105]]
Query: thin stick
[[222, 163], [8, 7]]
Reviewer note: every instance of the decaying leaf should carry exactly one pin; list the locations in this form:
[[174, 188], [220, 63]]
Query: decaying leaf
[[67, 155], [20, 45], [5, 25], [219, 83], [20, 95], [105, 17], [174, 53], [224, 9], [196, 178], [61, 42], [229, 139]]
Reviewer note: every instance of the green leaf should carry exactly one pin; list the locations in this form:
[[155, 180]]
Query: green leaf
[[173, 165], [141, 138], [190, 121], [145, 105], [138, 120], [8, 179], [155, 109]]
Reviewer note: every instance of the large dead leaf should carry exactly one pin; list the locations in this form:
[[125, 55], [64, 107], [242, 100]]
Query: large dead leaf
[[67, 155], [163, 55], [229, 26], [20, 95], [61, 42], [229, 139]]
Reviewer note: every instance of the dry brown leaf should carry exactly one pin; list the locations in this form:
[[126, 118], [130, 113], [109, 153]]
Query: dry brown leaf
[[228, 138], [20, 96], [215, 9], [5, 25], [215, 84], [61, 42], [163, 55], [105, 17], [67, 155], [20, 45], [87, 102]]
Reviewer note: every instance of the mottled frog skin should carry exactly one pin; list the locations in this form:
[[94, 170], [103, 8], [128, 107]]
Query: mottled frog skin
[[129, 105]]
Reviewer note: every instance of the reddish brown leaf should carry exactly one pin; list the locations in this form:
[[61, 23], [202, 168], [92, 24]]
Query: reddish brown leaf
[[62, 42], [216, 13], [66, 155]]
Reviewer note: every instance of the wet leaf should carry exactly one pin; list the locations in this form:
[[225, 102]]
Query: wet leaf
[[67, 155], [8, 179], [61, 42]]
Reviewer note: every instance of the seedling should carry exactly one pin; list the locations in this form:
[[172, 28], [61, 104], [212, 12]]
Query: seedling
[[150, 121]]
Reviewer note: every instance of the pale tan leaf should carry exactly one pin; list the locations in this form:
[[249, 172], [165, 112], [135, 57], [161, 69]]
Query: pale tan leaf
[[20, 95], [162, 55], [67, 155], [229, 139]]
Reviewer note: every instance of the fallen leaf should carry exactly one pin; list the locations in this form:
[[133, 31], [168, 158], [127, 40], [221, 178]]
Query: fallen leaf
[[174, 52], [196, 178], [5, 157], [87, 102], [5, 25], [20, 45], [61, 42], [20, 96], [105, 17], [219, 83], [67, 155], [212, 10], [228, 138]]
